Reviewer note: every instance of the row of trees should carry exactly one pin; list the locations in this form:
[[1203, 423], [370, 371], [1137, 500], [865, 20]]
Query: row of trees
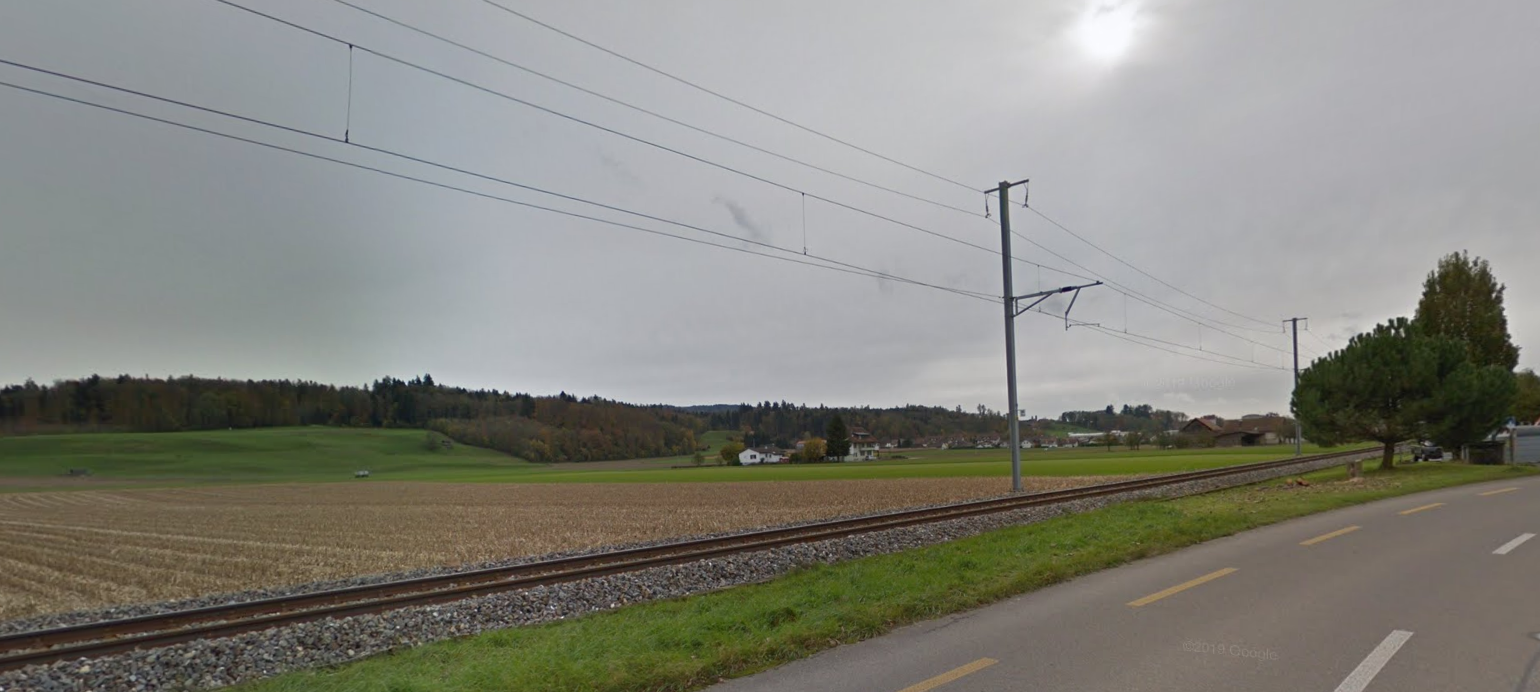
[[1446, 375], [1142, 418], [538, 428], [781, 424]]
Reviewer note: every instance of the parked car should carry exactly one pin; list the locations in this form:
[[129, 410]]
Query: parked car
[[1427, 451]]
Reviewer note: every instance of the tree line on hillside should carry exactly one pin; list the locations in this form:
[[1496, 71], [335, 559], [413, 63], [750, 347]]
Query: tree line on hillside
[[538, 428], [1445, 375], [781, 424], [1142, 418]]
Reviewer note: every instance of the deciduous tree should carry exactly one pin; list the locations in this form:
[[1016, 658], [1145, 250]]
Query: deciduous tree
[[1526, 404], [814, 450], [1461, 299]]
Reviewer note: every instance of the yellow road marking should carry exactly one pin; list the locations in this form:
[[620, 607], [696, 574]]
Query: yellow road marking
[[950, 675], [1211, 576], [1414, 510], [1497, 492], [1329, 536]]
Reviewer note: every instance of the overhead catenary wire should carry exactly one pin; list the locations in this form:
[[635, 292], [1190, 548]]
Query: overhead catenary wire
[[725, 97], [833, 264], [1131, 339], [1217, 325], [624, 135], [842, 142], [1318, 338], [848, 269], [454, 169], [1130, 293], [852, 269], [1237, 360], [640, 109], [1143, 298], [1126, 263], [1161, 344]]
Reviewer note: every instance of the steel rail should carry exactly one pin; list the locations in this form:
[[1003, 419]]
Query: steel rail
[[164, 629]]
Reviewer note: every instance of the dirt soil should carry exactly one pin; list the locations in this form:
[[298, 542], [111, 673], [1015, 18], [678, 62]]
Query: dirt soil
[[82, 549]]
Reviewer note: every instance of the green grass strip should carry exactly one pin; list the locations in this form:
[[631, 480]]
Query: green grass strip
[[690, 643]]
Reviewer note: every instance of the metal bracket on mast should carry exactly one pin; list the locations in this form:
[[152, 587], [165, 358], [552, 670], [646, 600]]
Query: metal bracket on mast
[[1045, 295]]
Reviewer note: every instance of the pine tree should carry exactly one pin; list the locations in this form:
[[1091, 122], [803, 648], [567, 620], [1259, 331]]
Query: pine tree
[[837, 438], [1396, 383]]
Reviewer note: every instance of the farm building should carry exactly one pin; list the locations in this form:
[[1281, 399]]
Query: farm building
[[1526, 444], [1207, 425], [761, 455], [1249, 431]]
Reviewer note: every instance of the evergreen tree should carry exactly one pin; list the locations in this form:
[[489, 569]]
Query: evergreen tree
[[1395, 383], [837, 438]]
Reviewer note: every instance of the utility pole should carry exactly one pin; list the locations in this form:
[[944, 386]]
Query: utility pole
[[1013, 308], [1295, 322], [1009, 302]]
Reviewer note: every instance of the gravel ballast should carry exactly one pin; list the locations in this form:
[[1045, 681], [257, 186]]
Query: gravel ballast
[[215, 663]]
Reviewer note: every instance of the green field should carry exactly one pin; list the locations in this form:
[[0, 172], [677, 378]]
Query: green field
[[265, 455], [318, 454]]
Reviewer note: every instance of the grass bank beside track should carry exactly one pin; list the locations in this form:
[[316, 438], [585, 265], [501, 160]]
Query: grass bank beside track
[[690, 643]]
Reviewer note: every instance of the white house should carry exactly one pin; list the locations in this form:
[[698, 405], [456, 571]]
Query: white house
[[863, 447], [749, 457]]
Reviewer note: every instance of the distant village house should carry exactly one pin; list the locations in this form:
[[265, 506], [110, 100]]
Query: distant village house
[[760, 455]]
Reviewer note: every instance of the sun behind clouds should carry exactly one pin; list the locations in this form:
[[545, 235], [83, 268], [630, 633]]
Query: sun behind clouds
[[1106, 29]]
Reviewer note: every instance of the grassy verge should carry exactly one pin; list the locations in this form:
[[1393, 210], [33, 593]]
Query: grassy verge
[[689, 643]]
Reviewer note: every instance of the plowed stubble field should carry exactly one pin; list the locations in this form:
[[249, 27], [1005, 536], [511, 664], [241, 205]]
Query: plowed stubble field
[[62, 551]]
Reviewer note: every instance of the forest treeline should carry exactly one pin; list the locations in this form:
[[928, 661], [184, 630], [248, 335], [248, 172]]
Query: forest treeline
[[780, 424], [538, 428], [1143, 418]]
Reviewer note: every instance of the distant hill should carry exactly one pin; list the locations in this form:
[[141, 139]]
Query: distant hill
[[709, 408], [541, 429]]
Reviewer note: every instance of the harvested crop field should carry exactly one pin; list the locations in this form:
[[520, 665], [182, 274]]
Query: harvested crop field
[[62, 551]]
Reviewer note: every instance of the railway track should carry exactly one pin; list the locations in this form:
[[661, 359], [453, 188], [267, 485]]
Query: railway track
[[153, 631]]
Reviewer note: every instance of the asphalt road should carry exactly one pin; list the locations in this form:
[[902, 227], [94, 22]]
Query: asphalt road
[[1438, 591]]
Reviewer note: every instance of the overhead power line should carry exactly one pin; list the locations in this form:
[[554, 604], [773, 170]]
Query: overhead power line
[[645, 111], [1313, 335], [1125, 263], [1231, 360], [624, 135], [1130, 338], [834, 264], [725, 97], [806, 261], [1152, 302], [1159, 344], [1193, 317], [782, 119], [839, 266]]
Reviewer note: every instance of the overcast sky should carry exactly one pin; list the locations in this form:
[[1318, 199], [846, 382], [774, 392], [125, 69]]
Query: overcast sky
[[1277, 158]]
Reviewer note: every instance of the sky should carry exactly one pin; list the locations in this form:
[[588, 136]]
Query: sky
[[1239, 164]]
